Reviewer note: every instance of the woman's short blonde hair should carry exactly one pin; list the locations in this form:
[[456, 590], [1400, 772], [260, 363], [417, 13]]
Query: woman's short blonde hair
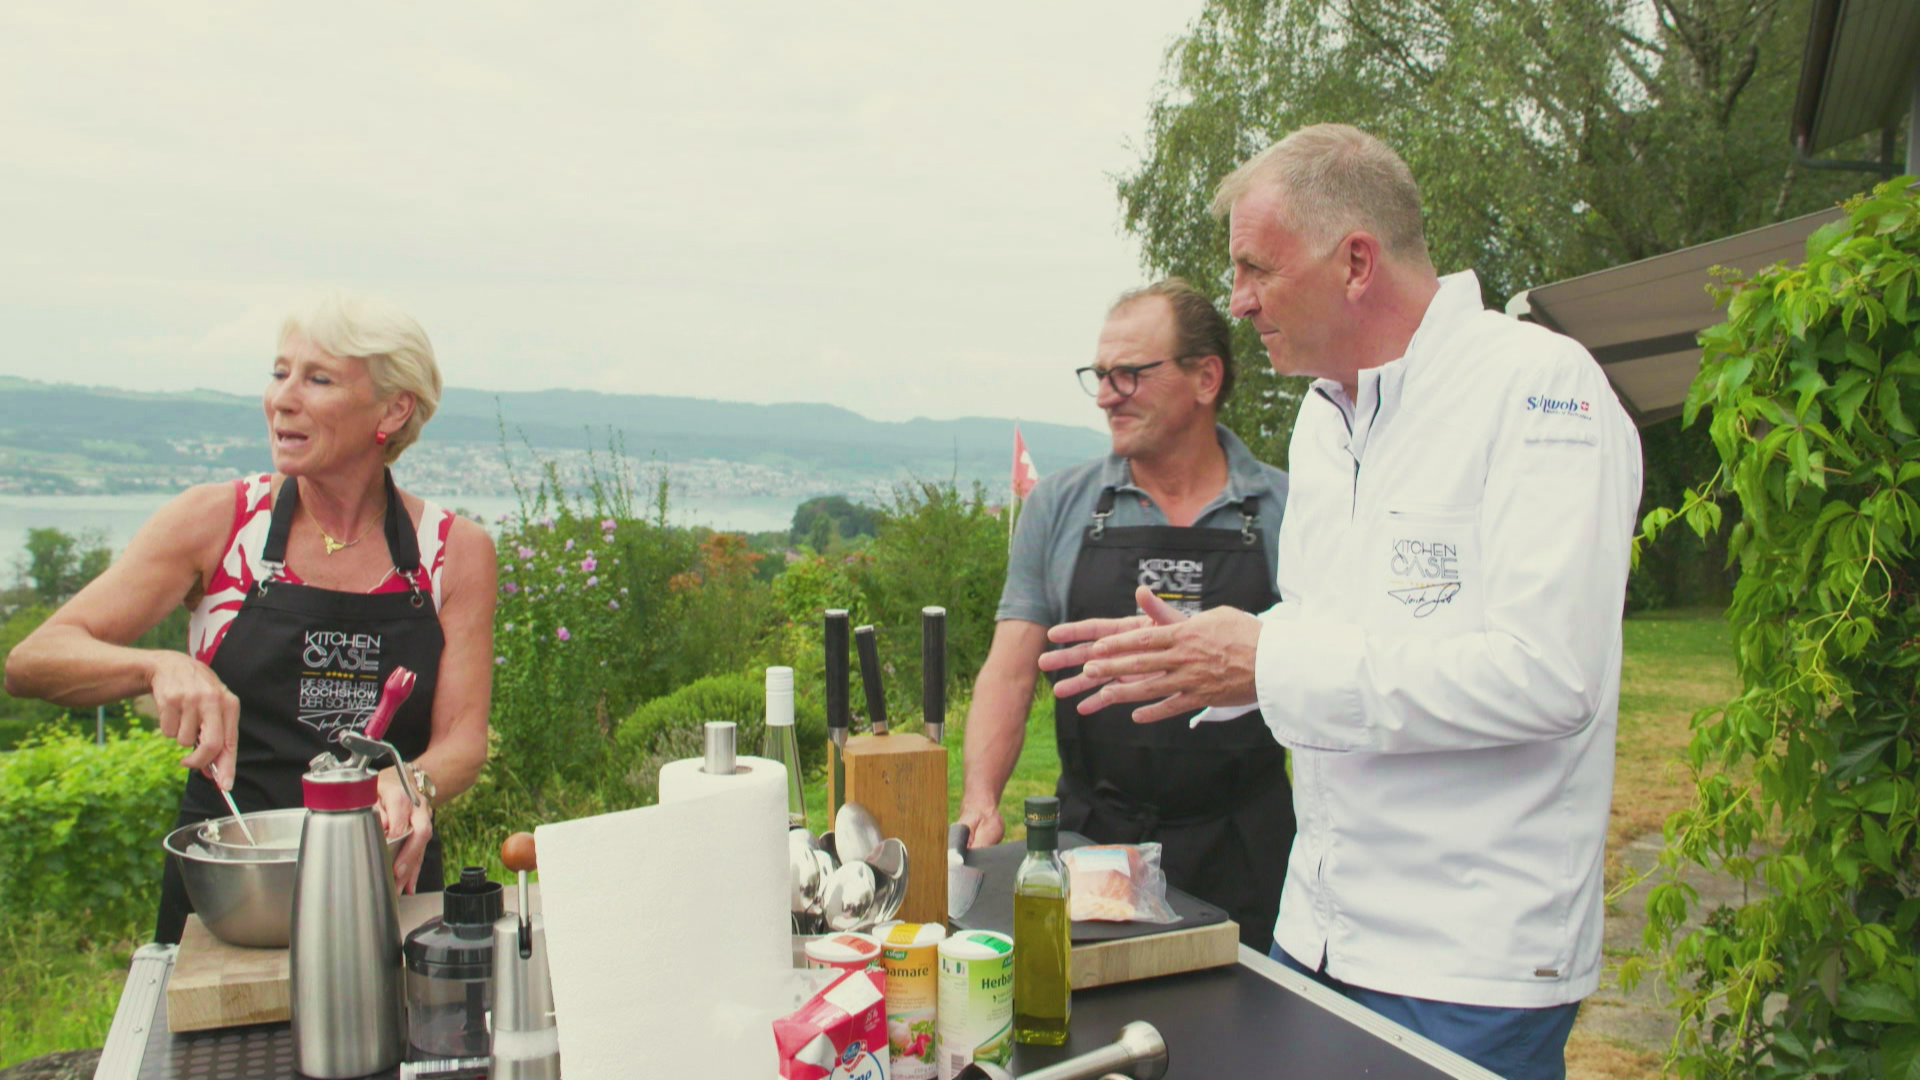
[[395, 348]]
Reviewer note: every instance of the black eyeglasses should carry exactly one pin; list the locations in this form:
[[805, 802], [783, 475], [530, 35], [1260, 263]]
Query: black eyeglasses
[[1124, 377]]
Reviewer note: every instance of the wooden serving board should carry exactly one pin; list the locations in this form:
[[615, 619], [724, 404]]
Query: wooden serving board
[[217, 985]]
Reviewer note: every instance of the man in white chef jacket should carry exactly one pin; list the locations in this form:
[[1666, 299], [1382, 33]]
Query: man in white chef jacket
[[1444, 663]]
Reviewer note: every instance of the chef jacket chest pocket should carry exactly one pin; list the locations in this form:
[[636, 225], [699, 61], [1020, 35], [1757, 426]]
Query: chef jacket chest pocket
[[1426, 575]]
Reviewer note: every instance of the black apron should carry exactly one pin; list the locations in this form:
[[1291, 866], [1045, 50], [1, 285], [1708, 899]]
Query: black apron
[[307, 664], [1215, 797]]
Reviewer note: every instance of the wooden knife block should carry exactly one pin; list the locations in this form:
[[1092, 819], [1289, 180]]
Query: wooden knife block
[[903, 780]]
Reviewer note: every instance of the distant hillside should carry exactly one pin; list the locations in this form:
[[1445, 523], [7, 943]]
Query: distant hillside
[[50, 428]]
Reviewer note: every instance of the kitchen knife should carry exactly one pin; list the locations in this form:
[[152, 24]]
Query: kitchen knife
[[933, 672], [963, 881], [838, 718], [867, 640]]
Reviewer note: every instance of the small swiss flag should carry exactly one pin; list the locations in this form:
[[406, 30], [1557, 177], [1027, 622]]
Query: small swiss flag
[[1024, 474]]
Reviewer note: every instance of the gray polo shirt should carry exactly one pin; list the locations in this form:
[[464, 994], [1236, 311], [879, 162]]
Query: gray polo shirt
[[1046, 543]]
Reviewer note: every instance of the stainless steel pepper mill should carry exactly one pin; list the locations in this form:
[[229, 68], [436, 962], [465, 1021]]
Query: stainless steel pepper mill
[[346, 993]]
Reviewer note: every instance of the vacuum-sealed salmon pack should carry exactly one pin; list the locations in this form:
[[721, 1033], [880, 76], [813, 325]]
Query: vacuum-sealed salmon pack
[[1117, 883]]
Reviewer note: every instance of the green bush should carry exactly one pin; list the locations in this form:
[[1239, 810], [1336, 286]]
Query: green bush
[[670, 727], [81, 825], [1812, 384]]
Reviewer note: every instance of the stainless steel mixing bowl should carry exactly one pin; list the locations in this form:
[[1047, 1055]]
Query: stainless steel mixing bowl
[[245, 894]]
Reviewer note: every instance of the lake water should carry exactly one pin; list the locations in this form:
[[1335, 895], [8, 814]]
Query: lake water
[[116, 517]]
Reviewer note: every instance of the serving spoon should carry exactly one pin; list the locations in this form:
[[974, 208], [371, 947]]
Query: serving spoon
[[235, 807]]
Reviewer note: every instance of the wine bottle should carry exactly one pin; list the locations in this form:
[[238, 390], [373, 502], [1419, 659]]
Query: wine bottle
[[783, 745]]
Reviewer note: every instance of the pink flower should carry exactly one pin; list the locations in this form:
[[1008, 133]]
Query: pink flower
[[511, 587], [607, 524], [613, 605], [589, 564], [569, 546], [563, 634], [509, 628], [508, 568], [548, 522], [592, 581], [524, 551], [499, 660]]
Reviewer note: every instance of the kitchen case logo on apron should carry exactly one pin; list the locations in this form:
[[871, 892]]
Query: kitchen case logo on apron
[[339, 680], [1180, 582]]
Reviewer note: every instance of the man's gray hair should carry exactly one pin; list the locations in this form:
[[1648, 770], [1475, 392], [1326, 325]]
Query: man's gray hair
[[1335, 180]]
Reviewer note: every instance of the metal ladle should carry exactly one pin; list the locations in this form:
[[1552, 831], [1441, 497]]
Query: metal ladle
[[803, 871], [856, 833], [889, 862], [851, 892]]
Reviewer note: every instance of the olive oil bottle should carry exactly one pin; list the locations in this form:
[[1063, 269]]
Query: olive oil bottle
[[1042, 959]]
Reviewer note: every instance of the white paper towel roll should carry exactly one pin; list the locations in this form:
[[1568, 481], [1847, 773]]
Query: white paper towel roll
[[689, 779], [667, 928]]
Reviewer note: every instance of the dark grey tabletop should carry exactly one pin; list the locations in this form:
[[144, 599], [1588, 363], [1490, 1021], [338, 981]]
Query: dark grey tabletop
[[1252, 1019]]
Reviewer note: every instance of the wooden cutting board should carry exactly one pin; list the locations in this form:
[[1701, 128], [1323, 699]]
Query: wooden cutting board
[[1105, 953], [217, 985]]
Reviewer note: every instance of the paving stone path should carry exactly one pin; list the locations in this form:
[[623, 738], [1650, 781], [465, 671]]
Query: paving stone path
[[1644, 1018]]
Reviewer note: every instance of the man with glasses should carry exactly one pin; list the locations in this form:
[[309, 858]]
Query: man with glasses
[[1446, 667], [1181, 509]]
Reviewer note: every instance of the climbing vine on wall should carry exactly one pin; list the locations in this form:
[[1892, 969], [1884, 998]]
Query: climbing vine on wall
[[1806, 781]]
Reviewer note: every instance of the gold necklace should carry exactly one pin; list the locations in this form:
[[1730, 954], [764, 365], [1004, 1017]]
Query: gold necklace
[[340, 545]]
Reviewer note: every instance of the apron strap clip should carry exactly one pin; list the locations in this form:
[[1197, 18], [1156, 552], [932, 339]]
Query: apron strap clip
[[1249, 519], [1102, 510]]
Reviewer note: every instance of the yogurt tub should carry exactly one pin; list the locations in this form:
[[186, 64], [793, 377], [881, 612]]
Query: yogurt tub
[[910, 952], [975, 1021], [846, 951]]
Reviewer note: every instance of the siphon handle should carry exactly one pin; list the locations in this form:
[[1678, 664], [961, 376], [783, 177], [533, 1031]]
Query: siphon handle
[[396, 691]]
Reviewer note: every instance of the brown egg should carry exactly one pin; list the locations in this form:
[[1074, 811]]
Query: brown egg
[[518, 853]]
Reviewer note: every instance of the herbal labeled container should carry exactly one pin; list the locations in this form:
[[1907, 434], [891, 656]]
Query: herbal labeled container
[[1043, 957]]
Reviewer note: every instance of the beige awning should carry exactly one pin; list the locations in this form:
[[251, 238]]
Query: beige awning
[[1640, 320]]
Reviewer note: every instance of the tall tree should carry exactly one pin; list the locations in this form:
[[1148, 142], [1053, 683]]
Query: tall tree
[[59, 564], [1550, 137]]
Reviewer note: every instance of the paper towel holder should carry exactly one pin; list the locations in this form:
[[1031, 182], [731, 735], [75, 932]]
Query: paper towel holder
[[720, 757]]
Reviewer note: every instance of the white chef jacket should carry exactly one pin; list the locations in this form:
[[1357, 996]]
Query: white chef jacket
[[1445, 662]]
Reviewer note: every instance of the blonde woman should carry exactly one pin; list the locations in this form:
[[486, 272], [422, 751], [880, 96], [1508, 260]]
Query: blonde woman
[[307, 586]]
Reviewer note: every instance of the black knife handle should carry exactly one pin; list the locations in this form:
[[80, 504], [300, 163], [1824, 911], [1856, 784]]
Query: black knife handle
[[933, 667], [836, 635], [867, 640]]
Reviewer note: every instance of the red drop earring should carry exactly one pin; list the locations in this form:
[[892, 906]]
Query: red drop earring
[[380, 437]]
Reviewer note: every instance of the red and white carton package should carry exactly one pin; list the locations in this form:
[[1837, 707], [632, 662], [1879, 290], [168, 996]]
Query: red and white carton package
[[840, 1035]]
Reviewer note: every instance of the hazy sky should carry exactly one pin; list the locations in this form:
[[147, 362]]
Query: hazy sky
[[906, 209]]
